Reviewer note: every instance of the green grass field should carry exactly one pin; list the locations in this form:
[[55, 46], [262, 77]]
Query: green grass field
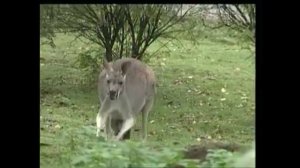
[[205, 91]]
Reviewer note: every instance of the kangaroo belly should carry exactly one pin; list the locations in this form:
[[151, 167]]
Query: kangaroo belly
[[116, 114]]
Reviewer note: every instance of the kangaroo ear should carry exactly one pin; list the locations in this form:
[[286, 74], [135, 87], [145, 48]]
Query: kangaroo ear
[[124, 77], [107, 65], [124, 67]]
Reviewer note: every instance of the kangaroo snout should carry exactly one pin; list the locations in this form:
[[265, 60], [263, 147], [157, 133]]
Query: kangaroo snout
[[112, 95]]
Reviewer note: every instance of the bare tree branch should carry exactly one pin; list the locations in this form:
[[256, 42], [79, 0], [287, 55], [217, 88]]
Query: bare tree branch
[[120, 28]]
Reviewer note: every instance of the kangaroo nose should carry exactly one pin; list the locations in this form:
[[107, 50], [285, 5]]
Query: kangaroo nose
[[112, 94]]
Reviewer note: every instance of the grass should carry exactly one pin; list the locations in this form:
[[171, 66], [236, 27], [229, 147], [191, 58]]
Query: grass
[[205, 91]]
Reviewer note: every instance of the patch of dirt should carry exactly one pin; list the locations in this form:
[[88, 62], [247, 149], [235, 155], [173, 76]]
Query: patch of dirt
[[200, 151]]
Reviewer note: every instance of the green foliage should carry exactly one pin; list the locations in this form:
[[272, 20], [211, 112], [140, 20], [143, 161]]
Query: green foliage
[[47, 24], [129, 154], [247, 159], [88, 151], [89, 61], [89, 58], [219, 158], [83, 149]]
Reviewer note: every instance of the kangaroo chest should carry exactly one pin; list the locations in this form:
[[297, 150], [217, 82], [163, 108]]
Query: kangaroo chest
[[123, 107]]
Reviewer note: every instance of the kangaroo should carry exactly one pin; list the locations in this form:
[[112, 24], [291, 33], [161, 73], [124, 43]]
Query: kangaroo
[[126, 88]]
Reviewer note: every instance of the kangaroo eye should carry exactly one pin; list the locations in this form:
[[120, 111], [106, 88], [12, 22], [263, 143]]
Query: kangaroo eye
[[120, 83], [108, 81]]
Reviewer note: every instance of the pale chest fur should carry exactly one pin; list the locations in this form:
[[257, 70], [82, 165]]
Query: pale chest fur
[[123, 107]]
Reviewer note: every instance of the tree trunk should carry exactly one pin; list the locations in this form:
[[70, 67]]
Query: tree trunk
[[134, 50], [108, 54]]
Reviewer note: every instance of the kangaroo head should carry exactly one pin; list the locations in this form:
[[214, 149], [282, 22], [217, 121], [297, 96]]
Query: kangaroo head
[[115, 79]]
